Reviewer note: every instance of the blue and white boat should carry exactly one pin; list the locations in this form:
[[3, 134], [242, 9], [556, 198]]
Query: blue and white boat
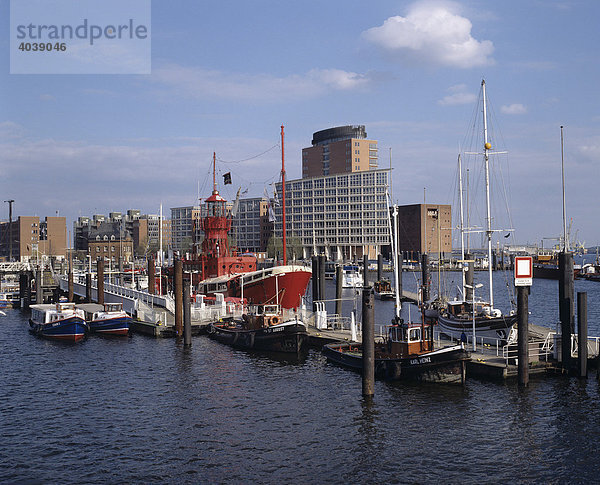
[[351, 276], [112, 320], [60, 322]]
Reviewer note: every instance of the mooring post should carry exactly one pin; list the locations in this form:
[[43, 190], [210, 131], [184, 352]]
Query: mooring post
[[523, 334], [425, 276], [151, 271], [566, 304], [100, 282], [582, 330], [338, 289], [187, 315], [368, 343], [24, 290], [315, 281], [88, 287], [321, 277], [365, 270], [71, 292], [379, 267], [469, 276], [39, 291], [178, 287]]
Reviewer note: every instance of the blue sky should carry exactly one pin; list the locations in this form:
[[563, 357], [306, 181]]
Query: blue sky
[[226, 75]]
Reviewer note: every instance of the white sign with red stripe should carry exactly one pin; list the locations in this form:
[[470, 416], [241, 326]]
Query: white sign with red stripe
[[523, 271]]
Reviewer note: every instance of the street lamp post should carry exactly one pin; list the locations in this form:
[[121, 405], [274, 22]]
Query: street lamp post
[[478, 285]]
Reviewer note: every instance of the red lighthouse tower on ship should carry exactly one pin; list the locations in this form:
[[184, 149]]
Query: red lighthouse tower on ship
[[221, 270], [216, 258]]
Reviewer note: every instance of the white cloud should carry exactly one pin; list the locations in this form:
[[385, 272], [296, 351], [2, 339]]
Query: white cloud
[[513, 109], [459, 95], [433, 33], [203, 83]]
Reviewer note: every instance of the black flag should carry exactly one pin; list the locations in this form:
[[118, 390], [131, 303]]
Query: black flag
[[227, 178]]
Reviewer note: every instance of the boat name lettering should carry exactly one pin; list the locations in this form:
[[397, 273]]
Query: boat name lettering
[[422, 360], [270, 330]]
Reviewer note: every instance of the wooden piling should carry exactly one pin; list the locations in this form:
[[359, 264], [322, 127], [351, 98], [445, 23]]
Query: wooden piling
[[71, 292], [315, 281], [469, 276], [88, 287], [338, 289], [100, 285], [39, 291], [24, 290], [379, 267], [365, 270], [523, 334], [368, 342], [565, 305], [582, 332], [321, 277], [151, 271], [178, 286], [187, 315], [425, 276]]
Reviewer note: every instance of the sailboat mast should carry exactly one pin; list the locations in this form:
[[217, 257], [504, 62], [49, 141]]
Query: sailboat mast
[[283, 197], [487, 147], [462, 225]]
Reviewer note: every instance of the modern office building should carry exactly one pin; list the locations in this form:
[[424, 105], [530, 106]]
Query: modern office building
[[342, 216], [339, 150], [28, 238], [185, 227], [250, 226]]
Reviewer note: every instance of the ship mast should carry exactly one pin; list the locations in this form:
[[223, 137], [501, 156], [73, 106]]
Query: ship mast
[[487, 146], [214, 173], [462, 224], [283, 197]]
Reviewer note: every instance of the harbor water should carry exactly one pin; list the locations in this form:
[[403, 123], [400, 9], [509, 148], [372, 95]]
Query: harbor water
[[144, 410]]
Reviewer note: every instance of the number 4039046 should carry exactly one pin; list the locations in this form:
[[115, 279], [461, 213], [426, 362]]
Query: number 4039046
[[41, 46]]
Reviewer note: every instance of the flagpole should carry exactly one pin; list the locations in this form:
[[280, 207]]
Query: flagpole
[[283, 196]]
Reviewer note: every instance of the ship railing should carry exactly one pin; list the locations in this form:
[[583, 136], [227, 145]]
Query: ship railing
[[555, 346], [539, 349], [593, 348], [210, 313]]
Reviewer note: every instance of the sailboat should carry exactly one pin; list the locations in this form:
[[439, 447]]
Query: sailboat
[[481, 318]]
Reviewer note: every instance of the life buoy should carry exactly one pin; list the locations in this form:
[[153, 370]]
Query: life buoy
[[274, 320]]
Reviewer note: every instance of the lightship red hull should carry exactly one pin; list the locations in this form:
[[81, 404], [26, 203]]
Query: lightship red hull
[[283, 285]]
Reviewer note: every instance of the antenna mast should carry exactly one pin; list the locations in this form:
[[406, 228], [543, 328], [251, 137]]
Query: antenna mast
[[283, 197]]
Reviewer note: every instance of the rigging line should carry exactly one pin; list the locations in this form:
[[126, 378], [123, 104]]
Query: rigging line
[[250, 158]]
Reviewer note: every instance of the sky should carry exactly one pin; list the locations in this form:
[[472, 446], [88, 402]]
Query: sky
[[226, 75]]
